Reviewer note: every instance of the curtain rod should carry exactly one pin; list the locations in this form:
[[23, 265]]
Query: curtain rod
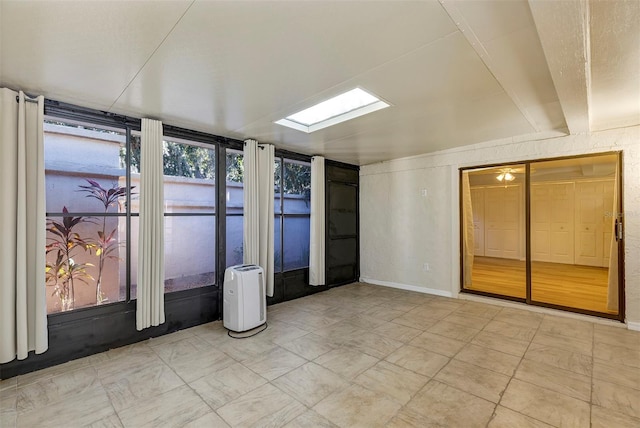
[[27, 99]]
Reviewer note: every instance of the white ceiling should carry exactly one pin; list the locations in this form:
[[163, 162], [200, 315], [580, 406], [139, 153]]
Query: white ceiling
[[456, 72]]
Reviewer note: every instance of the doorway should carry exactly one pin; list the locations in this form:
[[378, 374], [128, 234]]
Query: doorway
[[545, 232]]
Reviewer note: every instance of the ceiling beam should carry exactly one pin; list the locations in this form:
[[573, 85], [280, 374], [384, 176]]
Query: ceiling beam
[[494, 68], [563, 28]]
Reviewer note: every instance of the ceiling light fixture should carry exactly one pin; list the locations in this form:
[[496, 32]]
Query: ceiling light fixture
[[343, 107], [506, 176]]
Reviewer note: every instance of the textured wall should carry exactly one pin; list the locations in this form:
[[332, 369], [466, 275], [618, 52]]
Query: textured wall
[[401, 229]]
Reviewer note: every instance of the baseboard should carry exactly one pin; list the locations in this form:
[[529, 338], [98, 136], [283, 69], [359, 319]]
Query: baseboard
[[407, 287], [633, 325]]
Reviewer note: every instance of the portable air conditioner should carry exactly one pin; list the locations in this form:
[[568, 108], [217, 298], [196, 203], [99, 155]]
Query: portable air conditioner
[[245, 302]]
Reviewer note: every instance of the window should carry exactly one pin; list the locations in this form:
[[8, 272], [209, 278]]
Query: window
[[293, 212], [93, 214], [92, 180], [86, 227], [235, 206], [190, 215], [343, 107]]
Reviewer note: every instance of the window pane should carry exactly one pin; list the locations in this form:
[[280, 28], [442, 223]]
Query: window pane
[[85, 261], [494, 230], [134, 168], [277, 244], [189, 252], [297, 187], [189, 178], [84, 168], [235, 165], [296, 242], [235, 204], [133, 243], [572, 232], [277, 182], [343, 206], [234, 240], [189, 159], [235, 176]]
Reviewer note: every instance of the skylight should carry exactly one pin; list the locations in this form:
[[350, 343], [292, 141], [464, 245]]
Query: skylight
[[340, 108]]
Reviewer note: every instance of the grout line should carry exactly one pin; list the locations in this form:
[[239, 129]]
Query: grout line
[[515, 370]]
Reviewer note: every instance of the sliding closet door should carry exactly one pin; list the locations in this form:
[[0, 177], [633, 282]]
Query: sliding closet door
[[573, 209], [493, 234]]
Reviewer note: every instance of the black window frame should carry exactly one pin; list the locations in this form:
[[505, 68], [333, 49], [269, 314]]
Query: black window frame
[[282, 215], [212, 146], [56, 111]]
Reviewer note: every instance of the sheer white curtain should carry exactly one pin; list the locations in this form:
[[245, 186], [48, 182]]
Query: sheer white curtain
[[467, 229], [258, 208], [23, 308], [150, 291], [317, 232], [612, 286]]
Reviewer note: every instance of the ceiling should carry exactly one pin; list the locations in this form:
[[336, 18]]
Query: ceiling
[[455, 72]]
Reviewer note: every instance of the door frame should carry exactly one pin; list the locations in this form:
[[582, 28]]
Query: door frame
[[620, 316]]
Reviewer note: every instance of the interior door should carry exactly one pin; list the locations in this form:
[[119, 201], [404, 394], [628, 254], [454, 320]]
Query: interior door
[[540, 222], [342, 237], [493, 224], [552, 222], [593, 232], [511, 223], [502, 227], [562, 223]]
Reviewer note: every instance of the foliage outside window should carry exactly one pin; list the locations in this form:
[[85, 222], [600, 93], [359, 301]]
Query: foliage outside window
[[92, 214], [293, 212], [86, 216], [291, 207], [235, 207], [190, 222]]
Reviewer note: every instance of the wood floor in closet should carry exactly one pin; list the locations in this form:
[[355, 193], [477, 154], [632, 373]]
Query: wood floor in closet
[[582, 287]]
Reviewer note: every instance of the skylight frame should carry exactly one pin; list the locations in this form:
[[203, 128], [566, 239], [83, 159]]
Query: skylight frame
[[377, 104]]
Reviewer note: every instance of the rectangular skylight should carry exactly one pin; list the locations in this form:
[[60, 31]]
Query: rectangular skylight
[[340, 108]]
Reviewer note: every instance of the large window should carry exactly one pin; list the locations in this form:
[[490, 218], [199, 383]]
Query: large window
[[92, 209], [293, 211], [92, 176], [190, 215], [291, 207], [86, 193]]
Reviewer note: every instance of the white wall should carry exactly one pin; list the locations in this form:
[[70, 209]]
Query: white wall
[[401, 230]]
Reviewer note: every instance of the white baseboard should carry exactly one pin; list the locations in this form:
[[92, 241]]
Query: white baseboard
[[633, 325], [407, 287]]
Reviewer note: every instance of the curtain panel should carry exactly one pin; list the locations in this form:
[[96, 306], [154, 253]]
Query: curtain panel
[[23, 309], [468, 229], [150, 287], [258, 239], [317, 223]]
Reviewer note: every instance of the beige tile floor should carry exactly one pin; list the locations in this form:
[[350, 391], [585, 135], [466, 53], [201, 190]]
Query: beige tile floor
[[355, 356]]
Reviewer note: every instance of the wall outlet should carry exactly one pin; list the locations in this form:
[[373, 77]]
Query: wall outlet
[[423, 192], [425, 267]]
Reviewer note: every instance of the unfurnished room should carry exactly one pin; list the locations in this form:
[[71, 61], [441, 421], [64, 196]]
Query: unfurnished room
[[320, 213]]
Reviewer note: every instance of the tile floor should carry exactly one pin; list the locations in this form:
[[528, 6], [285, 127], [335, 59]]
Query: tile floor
[[355, 356]]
